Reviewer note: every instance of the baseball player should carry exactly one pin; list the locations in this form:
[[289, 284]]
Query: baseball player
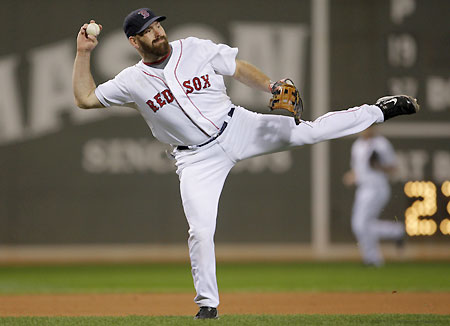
[[179, 90], [372, 160]]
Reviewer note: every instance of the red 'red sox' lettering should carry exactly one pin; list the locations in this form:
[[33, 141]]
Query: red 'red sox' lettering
[[166, 96], [152, 105], [188, 87], [206, 83], [196, 84]]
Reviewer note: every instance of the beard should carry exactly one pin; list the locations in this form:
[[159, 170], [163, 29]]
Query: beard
[[157, 48]]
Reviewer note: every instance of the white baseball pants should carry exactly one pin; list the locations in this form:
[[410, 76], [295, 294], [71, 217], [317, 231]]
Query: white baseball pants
[[367, 228], [203, 171]]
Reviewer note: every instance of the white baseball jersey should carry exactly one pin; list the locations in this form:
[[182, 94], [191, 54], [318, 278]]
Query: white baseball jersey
[[186, 102], [362, 149]]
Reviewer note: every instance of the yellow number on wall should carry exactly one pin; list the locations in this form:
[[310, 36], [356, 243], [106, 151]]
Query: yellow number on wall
[[425, 207]]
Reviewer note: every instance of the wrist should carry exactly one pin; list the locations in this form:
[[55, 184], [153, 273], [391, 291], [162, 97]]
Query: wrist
[[270, 86], [84, 52]]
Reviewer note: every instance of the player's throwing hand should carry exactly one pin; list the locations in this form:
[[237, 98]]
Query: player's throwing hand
[[86, 42]]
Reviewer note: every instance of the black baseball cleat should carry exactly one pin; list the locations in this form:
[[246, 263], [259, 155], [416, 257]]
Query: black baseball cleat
[[207, 313], [393, 106]]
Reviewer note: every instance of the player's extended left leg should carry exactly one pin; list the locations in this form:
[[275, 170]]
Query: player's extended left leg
[[252, 134], [336, 124]]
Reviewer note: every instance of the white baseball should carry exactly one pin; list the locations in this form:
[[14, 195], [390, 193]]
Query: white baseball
[[93, 29]]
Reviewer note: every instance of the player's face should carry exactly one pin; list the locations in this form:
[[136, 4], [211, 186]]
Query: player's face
[[153, 40]]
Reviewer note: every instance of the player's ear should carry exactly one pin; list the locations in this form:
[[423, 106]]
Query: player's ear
[[133, 42]]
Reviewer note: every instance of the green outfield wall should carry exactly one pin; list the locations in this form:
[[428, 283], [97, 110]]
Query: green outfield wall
[[69, 176]]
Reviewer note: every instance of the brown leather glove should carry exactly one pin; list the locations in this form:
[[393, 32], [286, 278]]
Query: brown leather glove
[[286, 96]]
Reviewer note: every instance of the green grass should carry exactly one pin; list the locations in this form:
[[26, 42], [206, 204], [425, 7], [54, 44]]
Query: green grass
[[260, 277], [335, 277], [241, 320], [306, 277]]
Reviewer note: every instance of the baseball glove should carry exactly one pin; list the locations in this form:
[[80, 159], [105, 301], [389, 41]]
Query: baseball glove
[[286, 96]]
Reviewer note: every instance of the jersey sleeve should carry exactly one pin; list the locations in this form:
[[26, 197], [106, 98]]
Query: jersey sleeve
[[224, 62], [223, 58], [114, 91]]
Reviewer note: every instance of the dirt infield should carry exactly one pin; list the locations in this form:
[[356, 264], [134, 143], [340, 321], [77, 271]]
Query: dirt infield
[[231, 303]]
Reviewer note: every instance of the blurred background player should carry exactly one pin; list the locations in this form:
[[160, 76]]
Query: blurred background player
[[372, 161]]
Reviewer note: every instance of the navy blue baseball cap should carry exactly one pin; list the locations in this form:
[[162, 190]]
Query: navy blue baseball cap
[[137, 21]]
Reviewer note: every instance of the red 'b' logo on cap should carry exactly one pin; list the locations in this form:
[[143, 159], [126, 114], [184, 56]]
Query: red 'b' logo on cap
[[144, 13]]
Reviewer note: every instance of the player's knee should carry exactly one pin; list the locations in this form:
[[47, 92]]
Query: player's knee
[[307, 135], [359, 230], [357, 226], [201, 234], [317, 135]]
